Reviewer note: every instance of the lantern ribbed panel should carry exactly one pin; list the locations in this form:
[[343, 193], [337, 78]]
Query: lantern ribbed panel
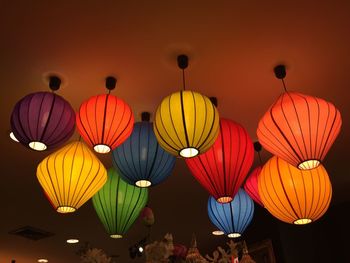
[[141, 158], [298, 128], [105, 120], [71, 176], [233, 217], [251, 185], [118, 204], [223, 168], [186, 119], [43, 117], [291, 194]]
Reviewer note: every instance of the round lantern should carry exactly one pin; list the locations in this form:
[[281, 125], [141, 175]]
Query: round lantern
[[186, 124], [251, 185], [223, 168], [299, 128], [118, 204], [105, 121], [71, 176], [234, 217], [43, 120], [292, 195], [140, 159]]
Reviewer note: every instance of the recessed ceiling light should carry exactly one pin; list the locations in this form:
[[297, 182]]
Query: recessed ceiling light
[[218, 233], [72, 241], [43, 260]]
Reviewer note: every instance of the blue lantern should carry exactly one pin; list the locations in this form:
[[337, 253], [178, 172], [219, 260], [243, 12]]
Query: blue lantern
[[233, 217], [140, 159]]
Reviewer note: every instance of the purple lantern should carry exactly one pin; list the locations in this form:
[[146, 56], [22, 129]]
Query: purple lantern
[[43, 120]]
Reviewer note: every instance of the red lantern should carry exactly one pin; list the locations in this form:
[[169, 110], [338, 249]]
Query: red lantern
[[251, 185], [222, 169], [105, 121]]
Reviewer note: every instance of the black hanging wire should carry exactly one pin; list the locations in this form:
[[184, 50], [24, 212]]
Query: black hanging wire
[[182, 62]]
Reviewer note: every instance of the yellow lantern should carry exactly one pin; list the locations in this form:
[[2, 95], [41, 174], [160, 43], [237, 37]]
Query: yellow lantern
[[186, 123], [294, 196], [71, 176]]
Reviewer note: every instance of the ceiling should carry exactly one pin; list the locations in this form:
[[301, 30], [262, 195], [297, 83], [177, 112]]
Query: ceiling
[[233, 47]]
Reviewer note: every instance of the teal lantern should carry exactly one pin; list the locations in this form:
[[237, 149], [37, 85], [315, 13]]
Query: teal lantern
[[118, 204]]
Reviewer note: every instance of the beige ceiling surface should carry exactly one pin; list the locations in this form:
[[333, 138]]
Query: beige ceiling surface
[[233, 46]]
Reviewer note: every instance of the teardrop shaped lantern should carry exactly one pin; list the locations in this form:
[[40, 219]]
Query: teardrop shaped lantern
[[299, 128], [251, 185], [71, 176], [118, 204], [234, 217], [43, 120], [105, 121], [140, 159], [186, 122], [292, 195], [223, 168]]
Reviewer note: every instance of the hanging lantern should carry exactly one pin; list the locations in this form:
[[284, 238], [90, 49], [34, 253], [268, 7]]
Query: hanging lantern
[[251, 185], [292, 195], [43, 120], [105, 121], [223, 168], [140, 159], [186, 123], [299, 128], [234, 217], [71, 176], [118, 204]]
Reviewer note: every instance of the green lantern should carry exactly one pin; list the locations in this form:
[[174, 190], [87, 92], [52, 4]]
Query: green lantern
[[118, 204]]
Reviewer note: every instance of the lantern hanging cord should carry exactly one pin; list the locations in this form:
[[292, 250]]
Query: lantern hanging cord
[[260, 160], [284, 85], [183, 79]]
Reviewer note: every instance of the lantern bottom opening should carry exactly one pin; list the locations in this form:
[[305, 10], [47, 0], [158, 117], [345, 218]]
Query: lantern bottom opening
[[116, 236], [234, 235], [188, 152], [38, 146], [143, 183], [218, 233], [66, 209], [309, 164], [302, 221], [224, 199], [102, 148]]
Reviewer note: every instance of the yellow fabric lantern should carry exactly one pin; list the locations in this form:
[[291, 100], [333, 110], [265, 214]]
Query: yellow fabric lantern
[[292, 195], [71, 176], [186, 123]]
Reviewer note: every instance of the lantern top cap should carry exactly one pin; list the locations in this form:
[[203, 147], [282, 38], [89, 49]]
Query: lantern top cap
[[111, 82], [145, 116]]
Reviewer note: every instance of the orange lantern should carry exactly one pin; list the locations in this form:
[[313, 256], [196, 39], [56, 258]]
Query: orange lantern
[[105, 121], [292, 195], [299, 128]]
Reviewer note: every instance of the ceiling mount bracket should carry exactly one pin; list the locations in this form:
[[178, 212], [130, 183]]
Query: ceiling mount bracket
[[145, 116], [280, 71], [111, 82], [182, 61], [214, 100], [257, 146], [54, 82]]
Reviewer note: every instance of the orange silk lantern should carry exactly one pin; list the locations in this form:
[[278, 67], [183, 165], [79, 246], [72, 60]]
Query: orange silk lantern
[[105, 121], [299, 128], [292, 195]]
